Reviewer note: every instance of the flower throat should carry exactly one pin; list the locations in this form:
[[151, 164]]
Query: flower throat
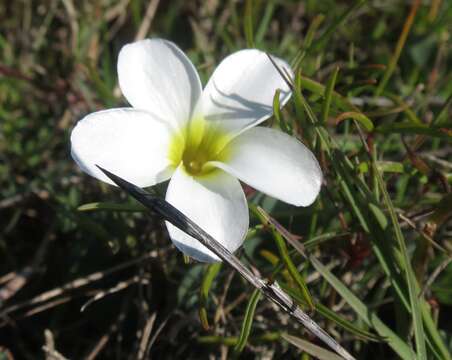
[[199, 144]]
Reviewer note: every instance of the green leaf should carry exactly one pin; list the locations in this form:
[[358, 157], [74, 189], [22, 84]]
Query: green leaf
[[277, 112], [96, 206], [102, 89], [310, 348], [264, 23], [248, 24], [334, 317], [328, 95], [210, 274], [421, 129], [247, 321], [379, 216], [365, 313], [398, 49], [413, 288], [284, 254], [293, 271], [331, 29], [358, 116], [315, 23], [390, 166]]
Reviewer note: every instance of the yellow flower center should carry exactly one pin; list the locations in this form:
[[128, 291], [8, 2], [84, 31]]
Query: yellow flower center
[[197, 145]]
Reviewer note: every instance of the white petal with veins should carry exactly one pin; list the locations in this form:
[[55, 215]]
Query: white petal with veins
[[157, 76], [216, 203], [276, 164], [240, 93], [128, 142]]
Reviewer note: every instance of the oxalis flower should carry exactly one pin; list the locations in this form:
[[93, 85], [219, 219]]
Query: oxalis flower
[[203, 140]]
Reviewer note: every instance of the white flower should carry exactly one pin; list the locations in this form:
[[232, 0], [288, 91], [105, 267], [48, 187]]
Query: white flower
[[202, 139]]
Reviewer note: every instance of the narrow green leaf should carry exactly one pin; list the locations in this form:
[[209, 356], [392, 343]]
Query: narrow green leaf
[[406, 108], [334, 317], [407, 268], [232, 340], [366, 314], [399, 47], [379, 216], [330, 30], [264, 23], [247, 321], [210, 274], [435, 340], [358, 116], [319, 89], [390, 166], [274, 260], [421, 129], [102, 89], [277, 113], [277, 106], [310, 348], [293, 271], [284, 254], [418, 305], [442, 114], [317, 240], [328, 94], [96, 206], [248, 23], [315, 23]]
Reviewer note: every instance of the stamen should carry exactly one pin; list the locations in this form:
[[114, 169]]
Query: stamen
[[195, 167]]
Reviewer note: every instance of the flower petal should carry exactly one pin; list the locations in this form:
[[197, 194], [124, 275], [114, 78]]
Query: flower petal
[[216, 203], [157, 76], [128, 142], [274, 163], [240, 92]]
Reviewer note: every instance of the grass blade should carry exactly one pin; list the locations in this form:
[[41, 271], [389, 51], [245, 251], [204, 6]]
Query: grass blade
[[413, 288], [315, 23], [264, 23], [358, 116], [310, 348], [247, 321], [210, 274], [335, 318], [97, 206], [325, 37], [399, 47], [408, 128], [284, 254], [328, 94], [248, 24], [366, 314]]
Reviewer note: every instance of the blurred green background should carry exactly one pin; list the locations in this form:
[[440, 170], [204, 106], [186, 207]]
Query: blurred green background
[[386, 289]]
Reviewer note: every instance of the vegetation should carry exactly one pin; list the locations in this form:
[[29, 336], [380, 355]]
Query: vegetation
[[86, 273]]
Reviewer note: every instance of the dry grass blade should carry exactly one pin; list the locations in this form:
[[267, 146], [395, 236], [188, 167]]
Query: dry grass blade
[[75, 284], [146, 335], [147, 20], [49, 348], [118, 287]]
